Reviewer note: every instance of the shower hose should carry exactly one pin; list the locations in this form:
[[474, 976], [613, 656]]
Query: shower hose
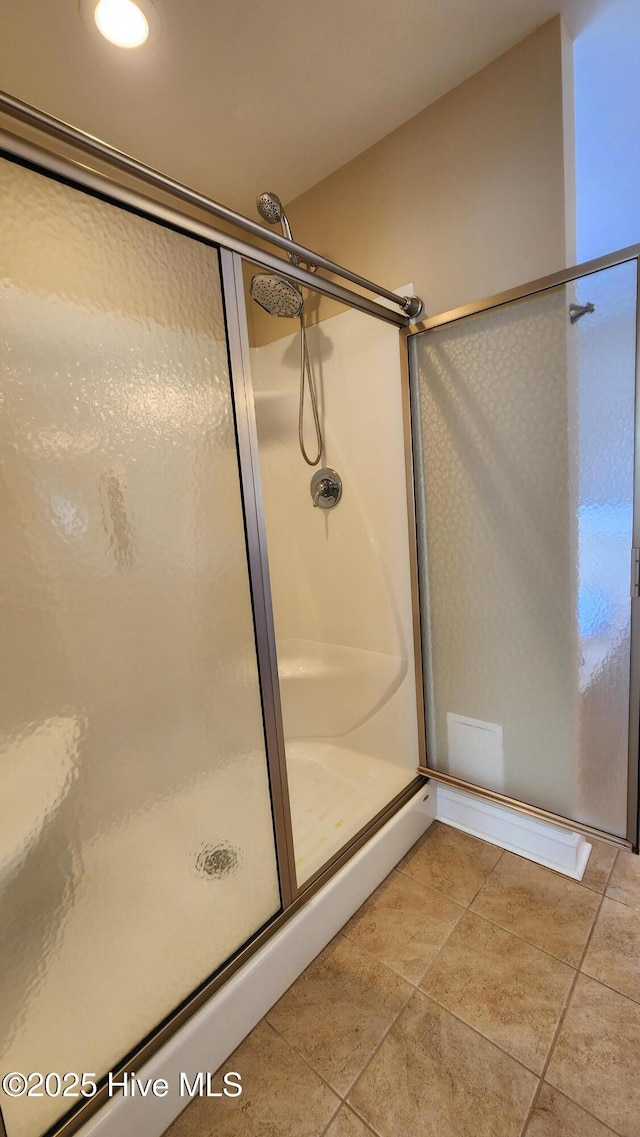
[[307, 380]]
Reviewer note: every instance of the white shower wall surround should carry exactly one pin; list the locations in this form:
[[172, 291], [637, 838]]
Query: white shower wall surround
[[340, 580]]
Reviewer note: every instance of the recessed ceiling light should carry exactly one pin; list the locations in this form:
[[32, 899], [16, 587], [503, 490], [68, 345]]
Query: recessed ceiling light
[[122, 22]]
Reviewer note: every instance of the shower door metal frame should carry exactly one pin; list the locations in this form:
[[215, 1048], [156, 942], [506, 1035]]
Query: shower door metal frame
[[524, 292], [231, 252], [237, 333]]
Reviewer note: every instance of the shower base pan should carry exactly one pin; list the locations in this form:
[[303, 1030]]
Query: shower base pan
[[334, 793]]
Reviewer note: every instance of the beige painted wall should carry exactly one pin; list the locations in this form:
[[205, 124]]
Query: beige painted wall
[[467, 198]]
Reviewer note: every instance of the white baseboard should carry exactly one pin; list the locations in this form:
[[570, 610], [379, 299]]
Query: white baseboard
[[215, 1031], [548, 845]]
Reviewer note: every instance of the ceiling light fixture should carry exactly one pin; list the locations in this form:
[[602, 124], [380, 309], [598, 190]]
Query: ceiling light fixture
[[121, 22]]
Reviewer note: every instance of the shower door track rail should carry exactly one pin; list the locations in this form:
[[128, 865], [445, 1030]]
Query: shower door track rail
[[512, 296], [82, 177], [522, 807], [553, 280], [410, 306]]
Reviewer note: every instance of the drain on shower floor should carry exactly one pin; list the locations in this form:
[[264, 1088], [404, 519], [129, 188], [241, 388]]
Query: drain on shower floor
[[218, 860]]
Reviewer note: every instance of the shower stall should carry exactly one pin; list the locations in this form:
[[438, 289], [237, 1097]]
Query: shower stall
[[210, 692], [269, 575]]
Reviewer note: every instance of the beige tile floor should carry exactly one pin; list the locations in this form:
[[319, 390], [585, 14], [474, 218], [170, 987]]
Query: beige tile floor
[[475, 994]]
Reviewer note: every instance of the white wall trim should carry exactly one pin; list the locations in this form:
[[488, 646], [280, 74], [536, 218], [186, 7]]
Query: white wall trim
[[549, 845], [215, 1031]]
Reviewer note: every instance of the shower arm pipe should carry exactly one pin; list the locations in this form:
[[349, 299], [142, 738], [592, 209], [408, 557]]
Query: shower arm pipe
[[64, 132]]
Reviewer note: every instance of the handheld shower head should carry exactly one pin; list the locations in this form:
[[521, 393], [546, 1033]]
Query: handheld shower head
[[278, 296], [281, 297], [270, 208]]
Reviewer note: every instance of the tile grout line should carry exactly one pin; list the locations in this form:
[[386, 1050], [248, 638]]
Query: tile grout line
[[375, 1051], [616, 899], [465, 908], [469, 1026], [292, 1046], [564, 876], [331, 1119], [417, 989], [476, 1029], [486, 876], [428, 889], [576, 968], [522, 857], [545, 951], [592, 1116], [432, 887], [610, 873], [478, 1033], [614, 990], [558, 1029], [345, 1105], [330, 1122], [413, 983], [631, 907], [468, 909], [439, 951], [480, 886], [306, 1061], [416, 986]]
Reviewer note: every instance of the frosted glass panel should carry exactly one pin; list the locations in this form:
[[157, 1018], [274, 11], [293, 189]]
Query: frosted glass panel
[[603, 454], [340, 578], [136, 843], [525, 519]]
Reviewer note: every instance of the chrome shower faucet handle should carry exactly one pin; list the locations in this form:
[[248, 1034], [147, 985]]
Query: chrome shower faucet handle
[[326, 488]]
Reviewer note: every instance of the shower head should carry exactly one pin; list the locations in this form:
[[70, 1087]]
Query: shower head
[[278, 297], [270, 208]]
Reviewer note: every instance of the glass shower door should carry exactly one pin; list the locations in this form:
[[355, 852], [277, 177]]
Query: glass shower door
[[525, 478], [339, 566], [136, 837]]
